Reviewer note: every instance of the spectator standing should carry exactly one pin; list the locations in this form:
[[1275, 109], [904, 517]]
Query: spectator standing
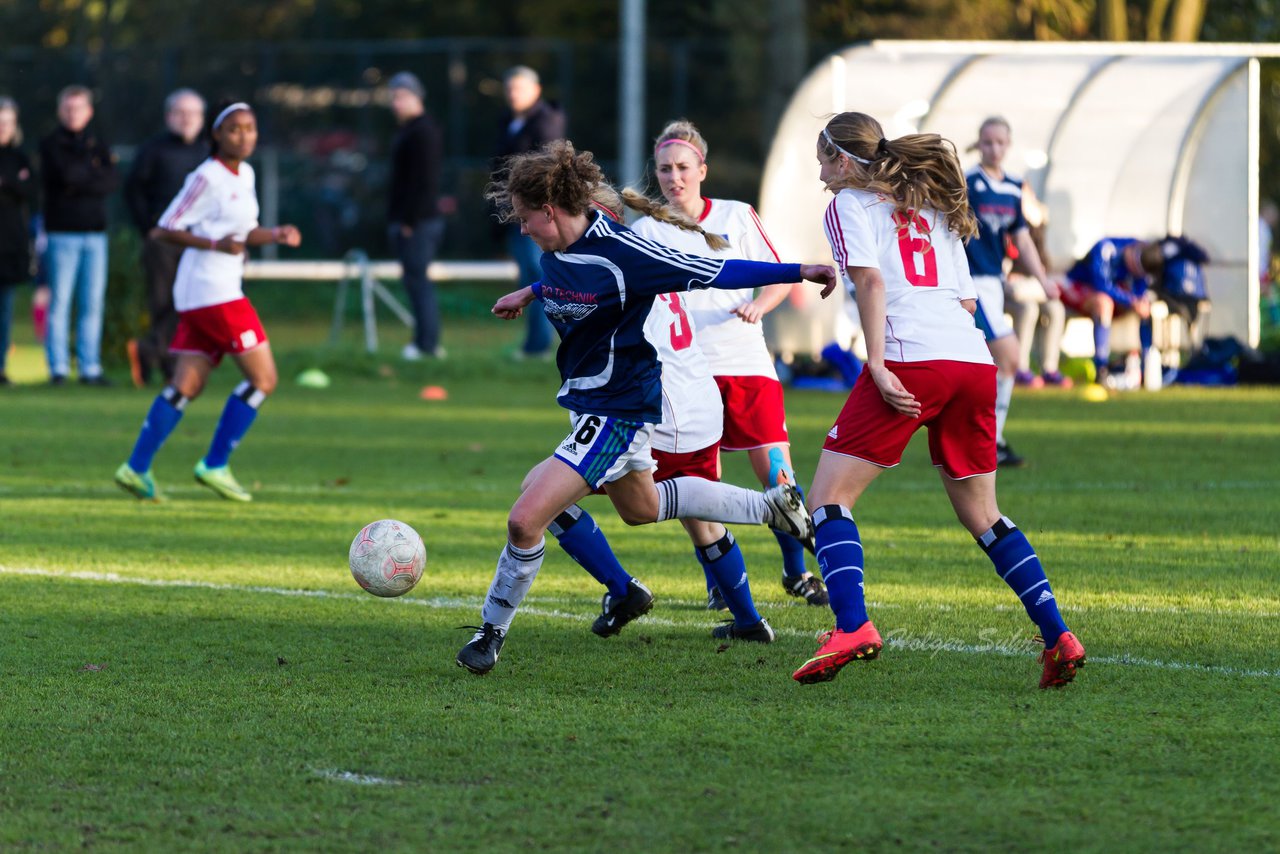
[[16, 190], [529, 123], [159, 170], [79, 173], [413, 213]]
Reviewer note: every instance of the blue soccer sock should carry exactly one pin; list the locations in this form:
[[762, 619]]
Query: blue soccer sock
[[165, 413], [1144, 338], [237, 418], [1101, 344], [582, 540], [1017, 564], [722, 560], [711, 581], [792, 552], [840, 561]]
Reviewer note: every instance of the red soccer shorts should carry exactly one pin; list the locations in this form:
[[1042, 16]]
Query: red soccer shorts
[[216, 330], [957, 405], [753, 413], [704, 463]]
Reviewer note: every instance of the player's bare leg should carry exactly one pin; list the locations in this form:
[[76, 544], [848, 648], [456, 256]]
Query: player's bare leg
[[1017, 564]]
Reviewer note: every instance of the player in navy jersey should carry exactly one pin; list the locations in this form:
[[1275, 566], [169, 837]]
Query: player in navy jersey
[[895, 226], [996, 200], [687, 442], [1113, 278], [599, 280], [215, 217]]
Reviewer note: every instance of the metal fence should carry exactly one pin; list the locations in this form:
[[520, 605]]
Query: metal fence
[[325, 128]]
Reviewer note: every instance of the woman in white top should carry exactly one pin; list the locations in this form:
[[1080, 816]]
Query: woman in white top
[[729, 330], [895, 226], [215, 217]]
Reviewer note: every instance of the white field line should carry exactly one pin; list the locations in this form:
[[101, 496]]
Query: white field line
[[352, 777], [896, 640]]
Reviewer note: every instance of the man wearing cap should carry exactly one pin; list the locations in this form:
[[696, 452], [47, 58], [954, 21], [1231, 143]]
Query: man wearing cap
[[529, 123], [413, 210]]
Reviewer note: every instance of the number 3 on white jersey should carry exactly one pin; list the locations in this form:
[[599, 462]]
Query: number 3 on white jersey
[[681, 330]]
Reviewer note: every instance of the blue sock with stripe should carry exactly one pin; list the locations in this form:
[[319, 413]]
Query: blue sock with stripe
[[1016, 563], [722, 560], [582, 540], [164, 415], [237, 418], [840, 562]]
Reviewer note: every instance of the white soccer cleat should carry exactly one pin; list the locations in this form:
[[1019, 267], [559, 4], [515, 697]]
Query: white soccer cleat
[[786, 507]]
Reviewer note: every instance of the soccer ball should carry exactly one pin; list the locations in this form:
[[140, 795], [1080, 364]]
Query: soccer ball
[[387, 557]]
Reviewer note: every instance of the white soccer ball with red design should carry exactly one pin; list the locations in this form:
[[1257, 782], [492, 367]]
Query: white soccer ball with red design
[[387, 557]]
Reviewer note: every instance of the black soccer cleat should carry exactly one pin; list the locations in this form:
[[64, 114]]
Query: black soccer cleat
[[761, 632], [617, 612], [807, 587], [715, 600], [1006, 458], [481, 652]]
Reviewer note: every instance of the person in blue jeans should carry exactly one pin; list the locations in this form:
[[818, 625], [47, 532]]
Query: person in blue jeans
[[78, 174], [529, 123]]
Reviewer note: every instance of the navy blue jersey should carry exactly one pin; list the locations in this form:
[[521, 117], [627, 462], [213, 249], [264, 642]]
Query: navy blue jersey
[[1104, 269], [997, 203], [597, 294]]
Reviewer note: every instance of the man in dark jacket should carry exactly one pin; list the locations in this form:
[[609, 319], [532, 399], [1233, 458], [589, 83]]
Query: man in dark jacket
[[159, 169], [413, 210], [78, 172], [529, 123]]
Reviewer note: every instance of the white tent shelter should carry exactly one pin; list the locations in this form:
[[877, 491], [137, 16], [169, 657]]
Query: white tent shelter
[[1118, 139]]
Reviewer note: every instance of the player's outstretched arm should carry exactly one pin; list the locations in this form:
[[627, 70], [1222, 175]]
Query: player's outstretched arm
[[513, 304], [285, 235]]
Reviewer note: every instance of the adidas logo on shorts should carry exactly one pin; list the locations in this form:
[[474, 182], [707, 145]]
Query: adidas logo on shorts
[[831, 434], [569, 447]]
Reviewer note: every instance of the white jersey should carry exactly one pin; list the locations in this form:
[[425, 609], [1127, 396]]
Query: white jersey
[[214, 203], [692, 413], [734, 347], [925, 272]]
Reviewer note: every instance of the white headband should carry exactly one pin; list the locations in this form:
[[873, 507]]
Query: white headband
[[826, 134], [241, 105]]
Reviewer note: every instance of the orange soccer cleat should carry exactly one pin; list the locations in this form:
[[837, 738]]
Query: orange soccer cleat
[[838, 649], [1062, 661]]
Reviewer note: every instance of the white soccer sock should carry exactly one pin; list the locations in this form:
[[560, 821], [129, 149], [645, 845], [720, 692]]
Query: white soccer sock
[[1055, 321], [512, 580], [1004, 394], [1025, 317], [695, 498]]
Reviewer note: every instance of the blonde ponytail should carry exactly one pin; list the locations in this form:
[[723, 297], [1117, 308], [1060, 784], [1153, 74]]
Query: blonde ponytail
[[646, 206]]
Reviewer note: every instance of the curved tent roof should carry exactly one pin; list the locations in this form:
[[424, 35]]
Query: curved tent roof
[[1117, 139]]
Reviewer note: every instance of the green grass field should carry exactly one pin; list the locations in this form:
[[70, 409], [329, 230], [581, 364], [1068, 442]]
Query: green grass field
[[200, 675]]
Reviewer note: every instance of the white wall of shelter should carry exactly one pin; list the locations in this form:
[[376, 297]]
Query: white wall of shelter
[[1136, 140]]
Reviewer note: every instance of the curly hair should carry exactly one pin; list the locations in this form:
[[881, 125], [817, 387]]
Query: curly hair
[[555, 174], [918, 171]]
